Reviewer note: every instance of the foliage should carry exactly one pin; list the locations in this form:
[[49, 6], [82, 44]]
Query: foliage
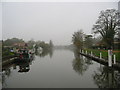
[[106, 25], [103, 75], [31, 43], [77, 39], [10, 42], [43, 45], [51, 44], [44, 53], [96, 52], [80, 64], [119, 34], [88, 41], [6, 52]]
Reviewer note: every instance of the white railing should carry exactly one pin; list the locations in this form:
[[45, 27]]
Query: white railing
[[100, 56]]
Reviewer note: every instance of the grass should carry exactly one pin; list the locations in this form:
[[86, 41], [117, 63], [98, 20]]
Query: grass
[[104, 53]]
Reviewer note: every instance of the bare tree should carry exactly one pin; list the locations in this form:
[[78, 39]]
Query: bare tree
[[107, 25]]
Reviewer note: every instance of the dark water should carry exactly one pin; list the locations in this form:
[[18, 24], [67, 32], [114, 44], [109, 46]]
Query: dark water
[[60, 69]]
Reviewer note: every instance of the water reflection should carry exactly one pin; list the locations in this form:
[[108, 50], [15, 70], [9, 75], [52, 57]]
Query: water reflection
[[6, 73], [24, 67], [45, 52], [80, 63], [60, 72], [21, 67], [107, 78], [103, 76]]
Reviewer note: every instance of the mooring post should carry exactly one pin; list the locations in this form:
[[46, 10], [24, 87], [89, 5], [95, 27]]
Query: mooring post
[[83, 51], [91, 53], [109, 58], [100, 55], [114, 59], [86, 51]]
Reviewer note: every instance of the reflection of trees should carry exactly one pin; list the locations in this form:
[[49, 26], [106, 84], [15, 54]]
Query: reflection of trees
[[51, 53], [24, 67], [80, 63], [107, 78], [7, 70], [6, 74], [45, 52]]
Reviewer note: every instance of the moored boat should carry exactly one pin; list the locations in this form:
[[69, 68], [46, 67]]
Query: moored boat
[[23, 55]]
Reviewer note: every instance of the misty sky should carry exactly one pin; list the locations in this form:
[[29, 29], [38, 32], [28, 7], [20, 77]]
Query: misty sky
[[45, 21]]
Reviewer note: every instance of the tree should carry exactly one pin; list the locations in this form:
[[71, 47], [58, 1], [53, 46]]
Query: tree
[[106, 25], [51, 44], [88, 41], [10, 42], [119, 35], [80, 64], [31, 43], [77, 39]]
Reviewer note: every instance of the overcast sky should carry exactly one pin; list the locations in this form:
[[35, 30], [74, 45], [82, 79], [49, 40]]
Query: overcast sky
[[45, 21]]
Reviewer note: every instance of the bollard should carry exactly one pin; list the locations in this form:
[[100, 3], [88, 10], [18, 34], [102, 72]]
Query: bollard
[[100, 55], [109, 58], [82, 51], [114, 59], [86, 51], [91, 53]]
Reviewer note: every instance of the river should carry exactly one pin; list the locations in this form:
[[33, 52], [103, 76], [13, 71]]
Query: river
[[60, 69]]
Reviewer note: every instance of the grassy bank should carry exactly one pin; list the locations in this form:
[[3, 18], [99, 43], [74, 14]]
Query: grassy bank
[[7, 54], [96, 52]]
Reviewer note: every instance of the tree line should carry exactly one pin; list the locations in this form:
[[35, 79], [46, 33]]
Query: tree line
[[107, 27], [9, 44]]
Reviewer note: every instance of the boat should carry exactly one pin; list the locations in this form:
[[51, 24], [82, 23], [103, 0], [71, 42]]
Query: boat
[[23, 55]]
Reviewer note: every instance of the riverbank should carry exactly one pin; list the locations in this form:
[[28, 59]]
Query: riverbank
[[104, 53], [102, 61], [8, 60]]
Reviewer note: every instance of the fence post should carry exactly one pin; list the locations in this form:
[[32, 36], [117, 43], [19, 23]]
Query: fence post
[[114, 59], [109, 58], [100, 55]]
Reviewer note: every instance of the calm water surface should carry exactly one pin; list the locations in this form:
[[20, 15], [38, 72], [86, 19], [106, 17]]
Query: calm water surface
[[60, 69]]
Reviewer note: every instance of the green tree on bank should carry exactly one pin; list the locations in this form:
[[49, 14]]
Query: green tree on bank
[[77, 39], [51, 44], [88, 42], [10, 42]]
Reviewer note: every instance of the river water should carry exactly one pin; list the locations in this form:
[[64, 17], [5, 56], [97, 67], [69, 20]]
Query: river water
[[60, 69]]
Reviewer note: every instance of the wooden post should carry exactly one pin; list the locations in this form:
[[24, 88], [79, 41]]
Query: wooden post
[[100, 55], [109, 58], [114, 59]]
